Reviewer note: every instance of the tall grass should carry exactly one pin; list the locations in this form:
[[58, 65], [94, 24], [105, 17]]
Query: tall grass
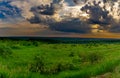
[[5, 51], [36, 59]]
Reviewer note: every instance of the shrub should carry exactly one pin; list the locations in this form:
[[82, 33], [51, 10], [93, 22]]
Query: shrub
[[26, 43], [65, 66], [59, 67], [94, 57], [15, 46], [35, 43], [72, 54], [91, 57], [5, 51], [40, 66]]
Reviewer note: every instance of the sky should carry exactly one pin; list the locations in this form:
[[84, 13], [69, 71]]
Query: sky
[[60, 18]]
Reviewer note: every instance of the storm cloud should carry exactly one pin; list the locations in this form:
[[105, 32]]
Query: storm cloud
[[81, 16]]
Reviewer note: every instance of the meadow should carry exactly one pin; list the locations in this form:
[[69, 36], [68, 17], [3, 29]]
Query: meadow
[[54, 59]]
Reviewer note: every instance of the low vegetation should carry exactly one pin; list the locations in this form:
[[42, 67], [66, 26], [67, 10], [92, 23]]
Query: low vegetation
[[5, 51], [40, 59]]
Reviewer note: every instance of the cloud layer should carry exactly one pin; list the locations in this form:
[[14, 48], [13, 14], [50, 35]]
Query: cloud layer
[[81, 16]]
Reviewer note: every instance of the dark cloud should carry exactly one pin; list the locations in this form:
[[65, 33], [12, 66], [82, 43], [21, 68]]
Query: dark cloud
[[73, 25], [96, 9], [81, 16], [98, 15]]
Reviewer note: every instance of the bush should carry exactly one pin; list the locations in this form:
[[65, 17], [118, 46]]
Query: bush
[[65, 66], [26, 43], [91, 57], [94, 57], [40, 66], [5, 51], [72, 54], [35, 43], [15, 46]]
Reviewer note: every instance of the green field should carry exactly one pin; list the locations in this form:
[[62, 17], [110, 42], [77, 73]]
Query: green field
[[40, 59]]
